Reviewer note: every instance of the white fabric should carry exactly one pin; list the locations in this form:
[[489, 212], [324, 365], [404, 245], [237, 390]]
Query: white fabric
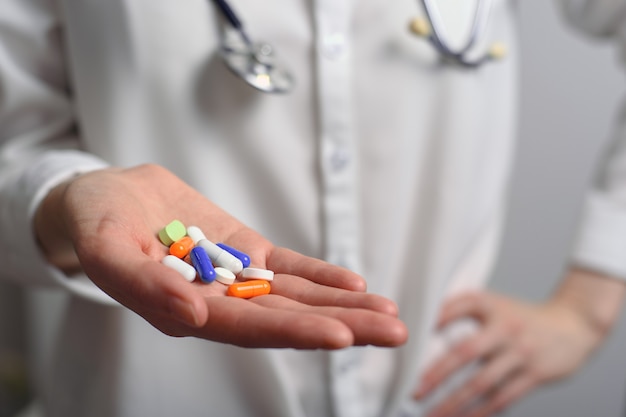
[[382, 160], [601, 244]]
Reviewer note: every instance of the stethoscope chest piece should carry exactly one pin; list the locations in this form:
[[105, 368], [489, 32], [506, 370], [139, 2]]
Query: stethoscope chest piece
[[257, 64]]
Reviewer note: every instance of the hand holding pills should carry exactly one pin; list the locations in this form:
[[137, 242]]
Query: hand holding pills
[[112, 219]]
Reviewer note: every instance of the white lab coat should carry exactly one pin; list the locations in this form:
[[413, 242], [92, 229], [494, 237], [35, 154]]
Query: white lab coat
[[602, 235], [382, 160]]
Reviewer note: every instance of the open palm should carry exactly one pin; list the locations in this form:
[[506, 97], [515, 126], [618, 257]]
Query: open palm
[[111, 217]]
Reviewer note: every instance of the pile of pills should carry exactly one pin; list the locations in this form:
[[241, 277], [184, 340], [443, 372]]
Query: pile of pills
[[193, 255]]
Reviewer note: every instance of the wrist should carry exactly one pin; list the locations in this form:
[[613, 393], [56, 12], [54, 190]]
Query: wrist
[[51, 231], [594, 299]]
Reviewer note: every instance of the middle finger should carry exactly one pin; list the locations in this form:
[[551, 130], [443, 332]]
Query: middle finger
[[311, 293], [367, 326]]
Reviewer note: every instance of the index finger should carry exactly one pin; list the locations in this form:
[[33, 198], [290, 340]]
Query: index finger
[[286, 261], [468, 305]]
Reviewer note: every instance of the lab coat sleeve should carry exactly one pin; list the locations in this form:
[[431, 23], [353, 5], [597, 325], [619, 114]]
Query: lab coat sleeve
[[596, 17], [601, 240], [39, 146]]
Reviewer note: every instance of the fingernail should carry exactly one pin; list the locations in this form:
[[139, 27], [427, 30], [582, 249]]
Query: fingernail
[[183, 311]]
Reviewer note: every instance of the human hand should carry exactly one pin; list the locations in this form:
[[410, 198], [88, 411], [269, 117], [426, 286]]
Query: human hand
[[108, 221], [517, 347]]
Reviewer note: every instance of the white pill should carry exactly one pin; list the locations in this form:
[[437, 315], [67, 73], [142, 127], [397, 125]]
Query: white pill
[[224, 276], [195, 233], [177, 264], [257, 273], [220, 257]]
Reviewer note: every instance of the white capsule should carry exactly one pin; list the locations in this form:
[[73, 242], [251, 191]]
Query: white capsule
[[257, 273], [195, 233], [224, 276], [182, 267], [220, 257]]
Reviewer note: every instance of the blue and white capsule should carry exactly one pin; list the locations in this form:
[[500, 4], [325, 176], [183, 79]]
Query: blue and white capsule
[[201, 261], [220, 257], [245, 259]]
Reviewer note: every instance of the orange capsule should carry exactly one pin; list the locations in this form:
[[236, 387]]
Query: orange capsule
[[249, 289], [181, 247]]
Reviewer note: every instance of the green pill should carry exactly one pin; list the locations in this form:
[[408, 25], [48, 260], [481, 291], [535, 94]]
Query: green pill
[[172, 232]]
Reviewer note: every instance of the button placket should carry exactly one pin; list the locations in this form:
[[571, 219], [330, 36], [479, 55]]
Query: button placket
[[339, 182], [334, 45], [339, 159]]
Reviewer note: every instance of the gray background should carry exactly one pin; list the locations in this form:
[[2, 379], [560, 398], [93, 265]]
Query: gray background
[[571, 90]]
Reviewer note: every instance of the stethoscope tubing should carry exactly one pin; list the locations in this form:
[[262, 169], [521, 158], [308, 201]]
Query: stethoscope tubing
[[230, 15], [438, 33], [262, 75]]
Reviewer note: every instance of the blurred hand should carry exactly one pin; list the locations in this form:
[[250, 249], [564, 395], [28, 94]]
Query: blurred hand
[[518, 346], [107, 223]]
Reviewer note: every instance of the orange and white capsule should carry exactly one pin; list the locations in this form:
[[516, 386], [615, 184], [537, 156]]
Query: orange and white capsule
[[195, 233], [220, 257], [182, 247], [249, 289]]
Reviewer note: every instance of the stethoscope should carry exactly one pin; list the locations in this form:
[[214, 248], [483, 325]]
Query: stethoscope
[[258, 65]]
